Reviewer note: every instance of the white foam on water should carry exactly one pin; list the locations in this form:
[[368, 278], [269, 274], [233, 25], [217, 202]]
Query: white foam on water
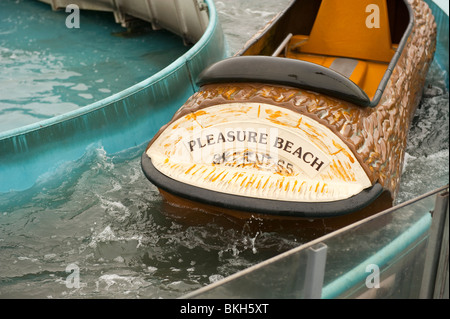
[[215, 277], [107, 235], [123, 282], [80, 87]]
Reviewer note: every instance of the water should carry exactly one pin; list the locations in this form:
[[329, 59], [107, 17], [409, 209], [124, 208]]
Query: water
[[100, 215], [53, 69], [108, 220], [426, 164]]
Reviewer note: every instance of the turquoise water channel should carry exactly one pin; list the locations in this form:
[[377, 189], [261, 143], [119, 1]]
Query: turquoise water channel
[[101, 216], [48, 69]]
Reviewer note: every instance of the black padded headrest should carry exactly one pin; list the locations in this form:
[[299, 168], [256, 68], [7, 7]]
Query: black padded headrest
[[284, 71]]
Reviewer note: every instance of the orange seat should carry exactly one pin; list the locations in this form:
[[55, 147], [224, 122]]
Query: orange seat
[[346, 39], [349, 28]]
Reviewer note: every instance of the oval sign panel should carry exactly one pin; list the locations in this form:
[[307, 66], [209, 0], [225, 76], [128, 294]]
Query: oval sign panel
[[258, 150]]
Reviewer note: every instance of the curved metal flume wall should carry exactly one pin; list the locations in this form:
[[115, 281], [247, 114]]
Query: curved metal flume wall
[[123, 120]]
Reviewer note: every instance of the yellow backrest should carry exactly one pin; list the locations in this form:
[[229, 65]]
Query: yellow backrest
[[351, 28]]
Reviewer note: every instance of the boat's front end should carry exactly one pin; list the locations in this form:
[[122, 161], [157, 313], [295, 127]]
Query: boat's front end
[[246, 147], [288, 138]]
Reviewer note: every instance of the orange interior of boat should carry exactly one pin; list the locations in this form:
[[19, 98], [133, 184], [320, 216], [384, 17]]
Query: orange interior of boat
[[354, 40]]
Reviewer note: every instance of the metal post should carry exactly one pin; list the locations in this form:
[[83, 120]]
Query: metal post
[[315, 271], [434, 246], [282, 45], [442, 274]]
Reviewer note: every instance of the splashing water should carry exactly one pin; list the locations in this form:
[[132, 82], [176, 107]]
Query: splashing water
[[427, 153], [102, 214]]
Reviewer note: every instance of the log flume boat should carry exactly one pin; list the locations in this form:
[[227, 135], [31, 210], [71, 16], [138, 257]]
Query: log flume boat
[[309, 121]]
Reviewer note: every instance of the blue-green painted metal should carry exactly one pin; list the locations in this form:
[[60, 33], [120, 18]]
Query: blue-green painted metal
[[121, 121], [442, 23]]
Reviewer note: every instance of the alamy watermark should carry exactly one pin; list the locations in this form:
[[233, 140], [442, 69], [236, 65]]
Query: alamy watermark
[[73, 279], [373, 279], [373, 19], [73, 19]]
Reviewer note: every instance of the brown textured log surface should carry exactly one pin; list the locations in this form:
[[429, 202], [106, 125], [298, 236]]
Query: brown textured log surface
[[378, 135]]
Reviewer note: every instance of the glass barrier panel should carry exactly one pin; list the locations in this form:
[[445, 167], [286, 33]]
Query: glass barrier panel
[[277, 279], [380, 257]]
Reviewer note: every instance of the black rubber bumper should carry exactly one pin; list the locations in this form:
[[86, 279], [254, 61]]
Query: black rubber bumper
[[291, 72], [257, 205]]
